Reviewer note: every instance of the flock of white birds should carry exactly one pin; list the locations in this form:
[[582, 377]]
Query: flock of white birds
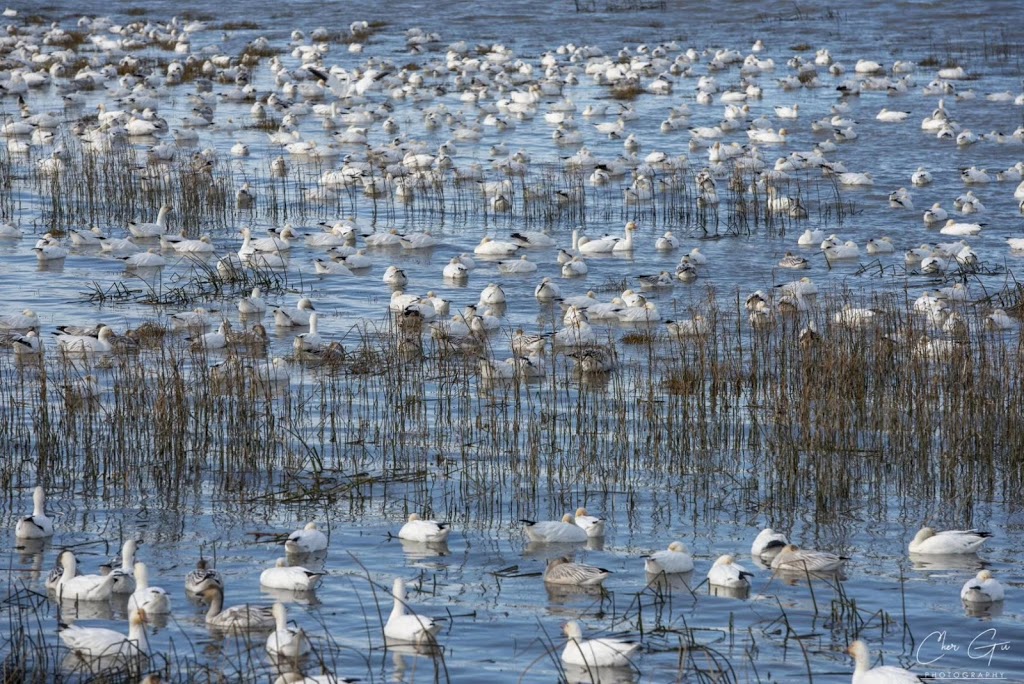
[[770, 549], [476, 97]]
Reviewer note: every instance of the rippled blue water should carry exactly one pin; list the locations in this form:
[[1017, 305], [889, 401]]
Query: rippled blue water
[[503, 627]]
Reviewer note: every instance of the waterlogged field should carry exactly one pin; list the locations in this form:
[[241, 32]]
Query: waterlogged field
[[724, 397]]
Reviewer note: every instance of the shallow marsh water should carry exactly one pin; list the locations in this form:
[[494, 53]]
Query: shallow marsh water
[[432, 444]]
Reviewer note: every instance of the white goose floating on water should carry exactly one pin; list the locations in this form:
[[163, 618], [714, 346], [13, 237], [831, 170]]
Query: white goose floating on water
[[74, 587], [793, 559], [285, 641], [726, 572], [153, 600], [564, 571], [948, 542], [419, 530], [982, 589], [99, 642], [405, 628], [151, 230], [675, 560], [555, 531], [290, 577], [595, 653], [38, 525], [863, 673], [307, 540]]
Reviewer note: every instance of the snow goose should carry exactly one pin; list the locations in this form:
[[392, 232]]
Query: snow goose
[[153, 600], [149, 230], [405, 628], [126, 573], [564, 530], [948, 542], [595, 653], [99, 642], [26, 320], [768, 542], [420, 530], [794, 559], [285, 641], [726, 572], [240, 618], [38, 525], [27, 345], [202, 578], [564, 571], [491, 247], [863, 673], [291, 578], [74, 587], [296, 317], [86, 344], [982, 589], [593, 525], [253, 304], [674, 560], [307, 540]]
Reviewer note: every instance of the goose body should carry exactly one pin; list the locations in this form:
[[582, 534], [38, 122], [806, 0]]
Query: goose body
[[86, 344], [153, 600], [307, 540], [38, 525], [405, 628], [565, 572], [202, 578], [253, 304], [294, 317], [593, 525], [863, 673], [726, 572], [794, 559], [74, 587], [768, 541], [285, 641], [595, 653], [238, 618], [948, 542], [151, 230], [419, 530], [291, 578], [126, 573], [564, 530], [491, 247], [676, 559], [99, 642], [982, 589]]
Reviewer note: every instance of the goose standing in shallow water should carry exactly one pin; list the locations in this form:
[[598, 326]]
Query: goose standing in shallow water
[[948, 542], [595, 653], [405, 628], [38, 525]]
